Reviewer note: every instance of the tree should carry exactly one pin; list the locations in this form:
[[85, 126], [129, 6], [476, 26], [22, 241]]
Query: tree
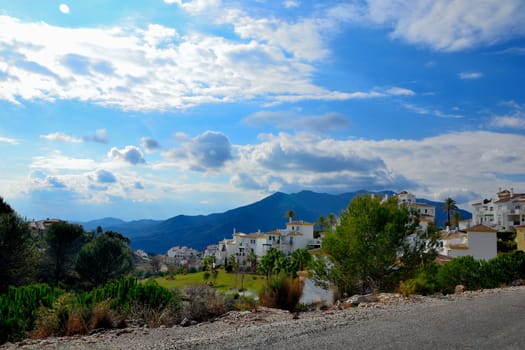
[[331, 221], [290, 214], [64, 241], [103, 259], [5, 208], [449, 206], [300, 259], [273, 262], [371, 242], [17, 250]]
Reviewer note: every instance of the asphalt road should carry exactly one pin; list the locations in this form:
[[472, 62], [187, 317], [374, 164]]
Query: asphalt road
[[492, 321]]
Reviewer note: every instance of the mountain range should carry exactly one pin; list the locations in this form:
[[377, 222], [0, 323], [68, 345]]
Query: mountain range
[[157, 236]]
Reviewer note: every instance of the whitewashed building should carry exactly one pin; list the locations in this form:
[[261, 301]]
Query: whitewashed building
[[479, 241], [503, 212], [296, 235], [427, 212]]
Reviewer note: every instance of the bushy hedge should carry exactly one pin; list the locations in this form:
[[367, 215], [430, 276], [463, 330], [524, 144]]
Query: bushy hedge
[[49, 311], [18, 309], [473, 274]]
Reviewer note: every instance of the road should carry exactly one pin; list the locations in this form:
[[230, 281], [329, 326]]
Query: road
[[488, 321]]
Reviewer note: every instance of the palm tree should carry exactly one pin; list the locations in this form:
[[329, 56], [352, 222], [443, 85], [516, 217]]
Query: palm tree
[[321, 222], [290, 214], [331, 221], [449, 206]]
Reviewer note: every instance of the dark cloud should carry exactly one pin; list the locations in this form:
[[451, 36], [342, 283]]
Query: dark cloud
[[295, 157], [130, 154], [99, 137], [208, 151], [149, 144], [292, 121], [211, 149], [104, 176]]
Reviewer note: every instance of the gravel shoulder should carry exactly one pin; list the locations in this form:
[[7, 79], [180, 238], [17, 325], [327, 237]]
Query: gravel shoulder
[[392, 322]]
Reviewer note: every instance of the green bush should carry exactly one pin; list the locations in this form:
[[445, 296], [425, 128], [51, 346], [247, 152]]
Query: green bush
[[464, 270], [423, 283], [18, 309]]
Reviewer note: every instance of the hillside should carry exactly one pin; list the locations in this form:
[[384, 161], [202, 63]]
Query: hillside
[[265, 215]]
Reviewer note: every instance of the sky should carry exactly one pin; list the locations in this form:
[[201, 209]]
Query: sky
[[155, 108]]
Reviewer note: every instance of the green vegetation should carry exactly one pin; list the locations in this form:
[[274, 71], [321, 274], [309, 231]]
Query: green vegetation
[[364, 249], [224, 282]]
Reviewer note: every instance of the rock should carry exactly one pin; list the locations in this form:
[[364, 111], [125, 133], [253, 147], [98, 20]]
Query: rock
[[518, 283], [185, 322], [359, 299], [459, 289]]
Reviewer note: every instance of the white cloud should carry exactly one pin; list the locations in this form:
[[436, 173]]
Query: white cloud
[[447, 25], [291, 4], [8, 140], [431, 111], [60, 136], [455, 163], [470, 75], [196, 6], [63, 8], [514, 119], [156, 69]]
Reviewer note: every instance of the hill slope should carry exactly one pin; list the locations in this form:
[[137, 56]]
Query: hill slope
[[265, 215]]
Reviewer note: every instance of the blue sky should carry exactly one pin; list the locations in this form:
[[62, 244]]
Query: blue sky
[[150, 109]]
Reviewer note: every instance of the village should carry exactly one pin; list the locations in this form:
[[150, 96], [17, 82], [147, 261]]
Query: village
[[477, 237]]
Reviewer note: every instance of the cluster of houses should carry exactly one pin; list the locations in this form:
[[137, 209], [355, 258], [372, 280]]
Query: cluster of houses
[[476, 237]]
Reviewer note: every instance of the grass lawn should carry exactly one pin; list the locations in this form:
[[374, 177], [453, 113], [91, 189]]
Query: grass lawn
[[224, 282]]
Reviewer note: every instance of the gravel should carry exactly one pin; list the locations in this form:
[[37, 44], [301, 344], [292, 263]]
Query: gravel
[[270, 328]]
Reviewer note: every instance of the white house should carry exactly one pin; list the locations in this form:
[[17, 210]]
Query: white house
[[296, 235], [427, 212], [503, 212], [479, 241]]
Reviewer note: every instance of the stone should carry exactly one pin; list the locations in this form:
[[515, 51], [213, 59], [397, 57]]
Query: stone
[[460, 289], [185, 322]]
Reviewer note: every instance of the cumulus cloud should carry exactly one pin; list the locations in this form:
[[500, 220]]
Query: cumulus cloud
[[196, 6], [149, 144], [434, 167], [470, 75], [208, 151], [447, 25], [130, 154]]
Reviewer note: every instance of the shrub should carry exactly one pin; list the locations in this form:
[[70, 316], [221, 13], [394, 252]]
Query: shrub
[[53, 321], [282, 292], [424, 282], [205, 303], [464, 270], [18, 309]]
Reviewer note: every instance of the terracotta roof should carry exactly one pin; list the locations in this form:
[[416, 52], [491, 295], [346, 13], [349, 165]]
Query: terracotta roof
[[481, 228]]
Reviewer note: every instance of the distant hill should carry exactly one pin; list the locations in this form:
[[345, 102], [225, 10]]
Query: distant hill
[[265, 215]]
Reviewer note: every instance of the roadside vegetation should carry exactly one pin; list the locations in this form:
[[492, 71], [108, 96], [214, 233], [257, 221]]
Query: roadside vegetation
[[66, 281]]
